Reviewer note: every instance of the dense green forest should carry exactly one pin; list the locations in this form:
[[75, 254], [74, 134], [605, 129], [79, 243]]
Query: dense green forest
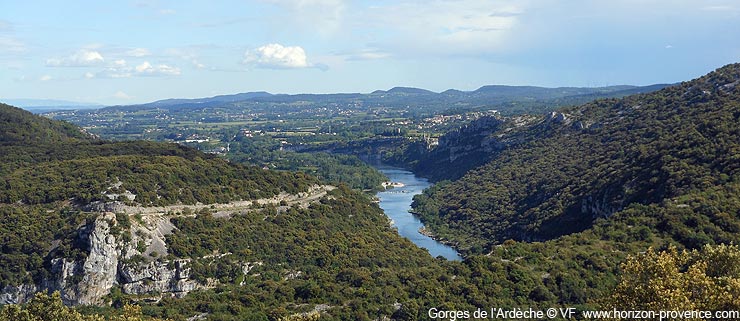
[[20, 127], [672, 155], [65, 164], [334, 169], [555, 217], [339, 254], [47, 179], [154, 180]]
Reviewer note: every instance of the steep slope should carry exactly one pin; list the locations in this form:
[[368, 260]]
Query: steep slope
[[22, 127], [135, 222], [46, 161], [59, 187], [465, 148], [595, 160]]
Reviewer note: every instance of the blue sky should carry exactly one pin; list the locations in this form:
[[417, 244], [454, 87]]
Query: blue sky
[[125, 52]]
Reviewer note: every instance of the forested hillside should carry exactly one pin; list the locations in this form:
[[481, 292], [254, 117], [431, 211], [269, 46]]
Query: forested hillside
[[335, 257], [671, 157], [510, 100], [552, 207], [20, 126], [51, 171], [46, 161]]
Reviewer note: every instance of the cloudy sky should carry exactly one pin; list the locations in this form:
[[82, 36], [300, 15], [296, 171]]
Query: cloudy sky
[[124, 52]]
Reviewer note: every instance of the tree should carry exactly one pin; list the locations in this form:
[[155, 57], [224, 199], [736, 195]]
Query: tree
[[706, 279], [44, 307]]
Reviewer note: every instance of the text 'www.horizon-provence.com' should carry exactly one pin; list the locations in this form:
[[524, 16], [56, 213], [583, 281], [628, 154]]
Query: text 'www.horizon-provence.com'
[[570, 313]]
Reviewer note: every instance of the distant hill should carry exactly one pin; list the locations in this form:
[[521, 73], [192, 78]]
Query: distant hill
[[22, 127], [53, 175], [506, 99], [533, 92], [46, 160], [215, 99], [409, 90], [47, 105], [108, 223], [674, 150]]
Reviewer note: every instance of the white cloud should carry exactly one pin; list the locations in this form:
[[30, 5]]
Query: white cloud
[[45, 78], [111, 72], [120, 69], [724, 8], [323, 16], [446, 27], [277, 56], [121, 95], [147, 69], [138, 52], [190, 54], [81, 58], [364, 54], [144, 67], [11, 45], [167, 11], [5, 26]]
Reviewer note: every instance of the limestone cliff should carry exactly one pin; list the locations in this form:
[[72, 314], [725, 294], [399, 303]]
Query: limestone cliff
[[125, 247], [88, 281]]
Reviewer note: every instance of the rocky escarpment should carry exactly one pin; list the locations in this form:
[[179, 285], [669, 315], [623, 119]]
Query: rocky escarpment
[[470, 146], [126, 246], [88, 281], [80, 282], [157, 277]]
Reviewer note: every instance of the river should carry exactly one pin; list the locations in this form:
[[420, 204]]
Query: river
[[396, 203]]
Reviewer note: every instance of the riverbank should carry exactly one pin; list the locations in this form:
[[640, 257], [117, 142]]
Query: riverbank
[[396, 203]]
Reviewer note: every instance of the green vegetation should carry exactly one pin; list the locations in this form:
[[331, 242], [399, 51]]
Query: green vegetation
[[599, 182], [340, 253], [47, 179], [27, 234], [50, 308], [550, 209], [264, 130], [672, 280], [19, 127], [461, 149], [155, 181], [674, 151], [59, 167], [333, 169]]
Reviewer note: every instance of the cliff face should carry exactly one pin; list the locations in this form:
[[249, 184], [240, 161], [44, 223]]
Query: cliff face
[[157, 277], [99, 269], [129, 253], [88, 281], [473, 145]]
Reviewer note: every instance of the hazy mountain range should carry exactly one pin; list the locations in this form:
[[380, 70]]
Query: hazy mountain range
[[396, 96]]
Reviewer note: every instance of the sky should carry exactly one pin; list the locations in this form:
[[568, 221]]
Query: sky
[[127, 52]]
